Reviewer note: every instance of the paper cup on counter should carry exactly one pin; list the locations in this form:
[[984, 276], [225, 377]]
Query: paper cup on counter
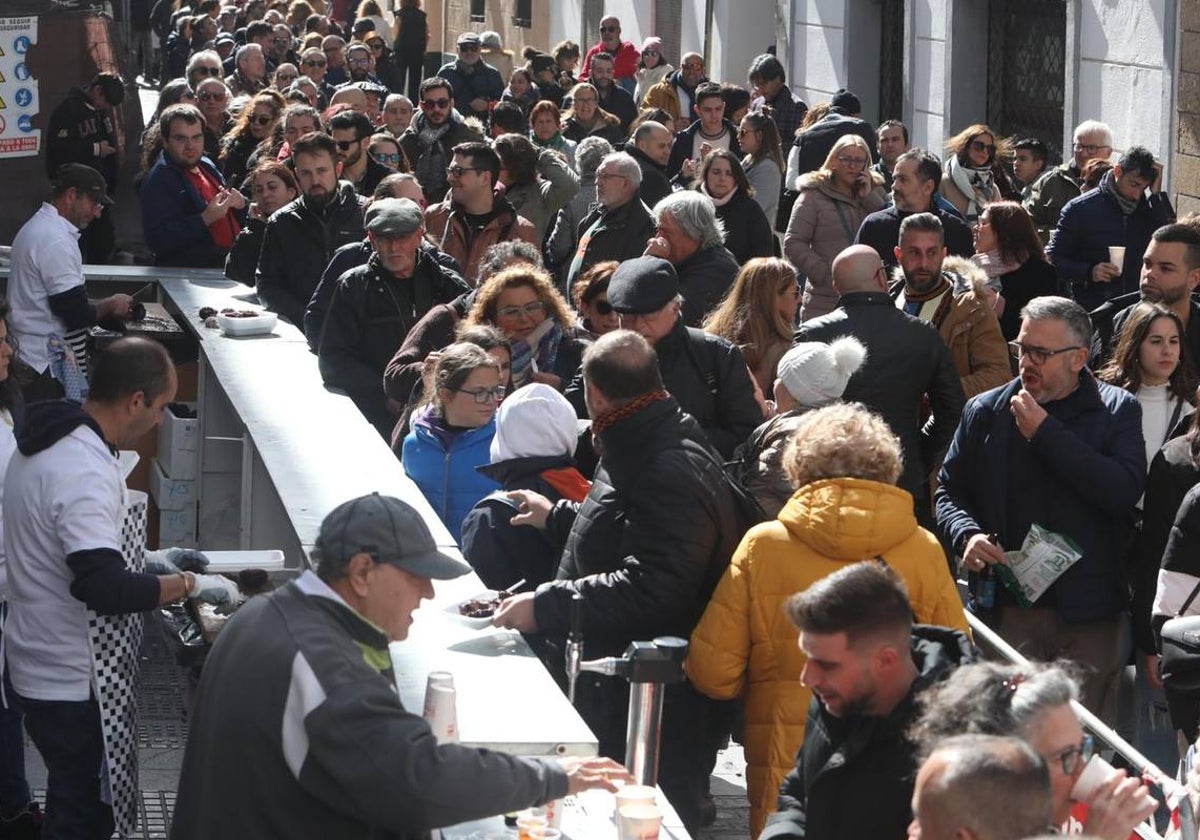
[[553, 812], [633, 795], [1097, 772], [639, 822], [1116, 256], [441, 713]]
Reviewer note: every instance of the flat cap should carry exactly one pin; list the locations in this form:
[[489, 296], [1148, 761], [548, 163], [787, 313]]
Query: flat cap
[[642, 285], [393, 217]]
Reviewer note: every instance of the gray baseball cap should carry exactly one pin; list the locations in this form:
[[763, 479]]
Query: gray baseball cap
[[391, 531]]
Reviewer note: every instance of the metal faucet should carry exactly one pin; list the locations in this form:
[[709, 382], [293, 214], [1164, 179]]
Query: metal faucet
[[574, 651], [649, 667]]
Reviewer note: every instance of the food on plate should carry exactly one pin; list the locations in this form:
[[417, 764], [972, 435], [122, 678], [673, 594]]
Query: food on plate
[[479, 607], [240, 313]]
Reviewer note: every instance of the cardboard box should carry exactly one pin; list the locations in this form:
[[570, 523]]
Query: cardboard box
[[178, 445], [177, 527], [171, 493]]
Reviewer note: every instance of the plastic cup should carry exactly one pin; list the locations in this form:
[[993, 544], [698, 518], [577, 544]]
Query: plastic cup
[[633, 795], [546, 833], [1097, 772], [1116, 256], [639, 822], [531, 827]]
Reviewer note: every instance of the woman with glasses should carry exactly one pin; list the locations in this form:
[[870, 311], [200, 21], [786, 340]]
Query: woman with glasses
[[271, 185], [653, 68], [523, 304], [585, 117], [385, 64], [452, 433], [1033, 702], [974, 174], [1008, 249], [212, 98], [830, 207], [257, 130], [596, 315], [748, 233], [763, 161], [384, 150], [202, 65]]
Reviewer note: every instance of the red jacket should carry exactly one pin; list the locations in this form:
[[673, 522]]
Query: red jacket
[[624, 64]]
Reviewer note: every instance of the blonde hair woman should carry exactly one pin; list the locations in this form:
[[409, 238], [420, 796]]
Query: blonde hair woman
[[832, 203]]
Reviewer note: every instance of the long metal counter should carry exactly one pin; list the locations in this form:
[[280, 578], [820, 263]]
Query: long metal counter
[[278, 451]]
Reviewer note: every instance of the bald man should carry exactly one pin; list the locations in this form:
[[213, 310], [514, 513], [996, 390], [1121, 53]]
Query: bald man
[[982, 787], [907, 364]]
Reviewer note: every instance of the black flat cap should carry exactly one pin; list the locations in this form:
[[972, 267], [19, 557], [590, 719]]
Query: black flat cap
[[642, 285]]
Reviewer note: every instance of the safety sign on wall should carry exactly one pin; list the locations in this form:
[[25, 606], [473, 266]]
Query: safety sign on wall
[[18, 89]]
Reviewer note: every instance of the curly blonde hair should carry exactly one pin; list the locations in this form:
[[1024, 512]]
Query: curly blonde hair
[[484, 309], [843, 440]]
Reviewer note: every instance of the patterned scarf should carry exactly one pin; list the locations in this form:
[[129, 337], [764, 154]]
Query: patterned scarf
[[606, 421], [541, 348], [994, 265], [1108, 184], [974, 184]]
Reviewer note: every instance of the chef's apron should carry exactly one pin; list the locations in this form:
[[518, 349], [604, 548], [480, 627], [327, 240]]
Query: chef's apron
[[115, 643]]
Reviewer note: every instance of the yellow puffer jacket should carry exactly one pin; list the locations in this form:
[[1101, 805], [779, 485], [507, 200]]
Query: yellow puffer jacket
[[745, 645]]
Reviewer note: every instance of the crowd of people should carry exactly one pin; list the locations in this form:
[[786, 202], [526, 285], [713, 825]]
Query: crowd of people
[[689, 357]]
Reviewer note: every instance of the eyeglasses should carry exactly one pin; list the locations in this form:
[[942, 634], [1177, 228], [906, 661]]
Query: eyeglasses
[[358, 62], [285, 79], [604, 176], [468, 48], [1075, 757], [204, 70], [344, 145], [1090, 149], [310, 62], [1038, 355], [209, 97], [380, 157], [261, 120], [532, 308], [851, 162], [483, 396], [980, 146], [435, 103], [457, 171]]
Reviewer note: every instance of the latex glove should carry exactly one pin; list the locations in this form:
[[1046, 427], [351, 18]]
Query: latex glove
[[172, 561], [215, 589]]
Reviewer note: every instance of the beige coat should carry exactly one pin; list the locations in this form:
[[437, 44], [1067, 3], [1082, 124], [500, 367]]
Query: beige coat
[[824, 223]]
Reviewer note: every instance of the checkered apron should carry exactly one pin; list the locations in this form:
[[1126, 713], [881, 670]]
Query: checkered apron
[[115, 642]]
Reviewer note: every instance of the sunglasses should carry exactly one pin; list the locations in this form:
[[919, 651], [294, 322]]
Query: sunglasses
[[206, 71], [980, 146], [210, 97], [385, 159], [344, 145], [358, 62], [261, 120], [435, 103], [468, 48], [308, 62], [1072, 759]]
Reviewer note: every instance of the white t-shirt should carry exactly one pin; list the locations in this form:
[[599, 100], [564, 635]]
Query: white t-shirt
[[45, 262], [8, 446], [64, 499]]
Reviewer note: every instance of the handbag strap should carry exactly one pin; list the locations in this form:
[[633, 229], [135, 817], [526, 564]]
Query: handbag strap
[[1188, 602]]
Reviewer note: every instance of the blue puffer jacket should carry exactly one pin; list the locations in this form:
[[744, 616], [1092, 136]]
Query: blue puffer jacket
[[443, 463]]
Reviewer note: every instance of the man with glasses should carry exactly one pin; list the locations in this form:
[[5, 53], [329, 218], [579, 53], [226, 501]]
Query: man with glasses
[[375, 305], [710, 131], [624, 55], [619, 225], [203, 65], [1050, 193], [301, 237], [908, 375], [475, 84], [866, 663], [351, 130], [1059, 448], [433, 132], [212, 98], [675, 93], [472, 218], [189, 216], [313, 65], [361, 64], [942, 292]]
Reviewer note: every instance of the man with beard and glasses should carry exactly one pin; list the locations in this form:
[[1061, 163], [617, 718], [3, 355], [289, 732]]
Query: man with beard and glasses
[[1170, 275], [865, 663], [301, 236], [351, 130], [432, 134], [477, 85]]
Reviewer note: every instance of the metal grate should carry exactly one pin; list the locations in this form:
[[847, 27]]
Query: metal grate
[[891, 60], [1027, 69], [162, 693], [155, 809]]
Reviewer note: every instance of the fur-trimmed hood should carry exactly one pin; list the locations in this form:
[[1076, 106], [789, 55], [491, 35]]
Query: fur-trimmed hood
[[966, 277], [819, 178]]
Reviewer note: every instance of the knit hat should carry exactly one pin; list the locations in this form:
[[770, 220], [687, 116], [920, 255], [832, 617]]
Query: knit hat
[[535, 421], [653, 43], [846, 102], [815, 373]]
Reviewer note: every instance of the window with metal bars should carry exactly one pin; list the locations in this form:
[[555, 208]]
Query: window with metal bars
[[1027, 68], [523, 14], [478, 14], [891, 60]]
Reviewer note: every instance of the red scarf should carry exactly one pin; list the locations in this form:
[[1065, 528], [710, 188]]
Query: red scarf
[[606, 421]]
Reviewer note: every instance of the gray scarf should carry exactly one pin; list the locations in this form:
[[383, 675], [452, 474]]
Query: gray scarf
[[1108, 184]]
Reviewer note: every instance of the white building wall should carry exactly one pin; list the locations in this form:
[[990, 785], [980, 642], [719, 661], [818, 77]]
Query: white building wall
[[928, 74], [818, 60], [742, 29]]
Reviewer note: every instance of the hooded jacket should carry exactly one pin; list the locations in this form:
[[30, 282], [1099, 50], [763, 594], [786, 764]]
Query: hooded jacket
[[854, 776], [745, 645], [76, 130], [444, 467], [297, 245]]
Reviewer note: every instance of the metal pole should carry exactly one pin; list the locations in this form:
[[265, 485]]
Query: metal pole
[[643, 732]]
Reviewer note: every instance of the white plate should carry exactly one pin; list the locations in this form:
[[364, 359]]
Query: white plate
[[234, 561], [477, 623], [261, 323]]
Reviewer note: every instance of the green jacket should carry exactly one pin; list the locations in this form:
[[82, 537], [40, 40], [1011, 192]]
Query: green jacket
[[1049, 194]]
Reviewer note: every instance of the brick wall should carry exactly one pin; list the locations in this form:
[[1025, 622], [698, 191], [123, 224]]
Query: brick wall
[[1187, 155]]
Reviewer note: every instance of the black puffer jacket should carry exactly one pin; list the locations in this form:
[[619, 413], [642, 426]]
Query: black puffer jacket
[[704, 278], [846, 763], [368, 319], [299, 242], [655, 184], [621, 236], [748, 234]]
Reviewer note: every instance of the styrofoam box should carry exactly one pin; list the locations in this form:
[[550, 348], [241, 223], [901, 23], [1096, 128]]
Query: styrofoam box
[[177, 527], [170, 493], [234, 561], [178, 444]]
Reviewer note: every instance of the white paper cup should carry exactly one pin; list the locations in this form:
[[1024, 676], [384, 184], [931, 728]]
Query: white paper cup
[[1116, 256], [441, 713], [1097, 772], [634, 795], [553, 811], [639, 822]]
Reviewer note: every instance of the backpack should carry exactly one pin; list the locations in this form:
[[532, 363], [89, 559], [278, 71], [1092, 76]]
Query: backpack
[[749, 511]]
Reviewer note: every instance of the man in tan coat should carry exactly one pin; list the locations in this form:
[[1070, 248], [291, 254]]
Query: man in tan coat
[[956, 305]]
